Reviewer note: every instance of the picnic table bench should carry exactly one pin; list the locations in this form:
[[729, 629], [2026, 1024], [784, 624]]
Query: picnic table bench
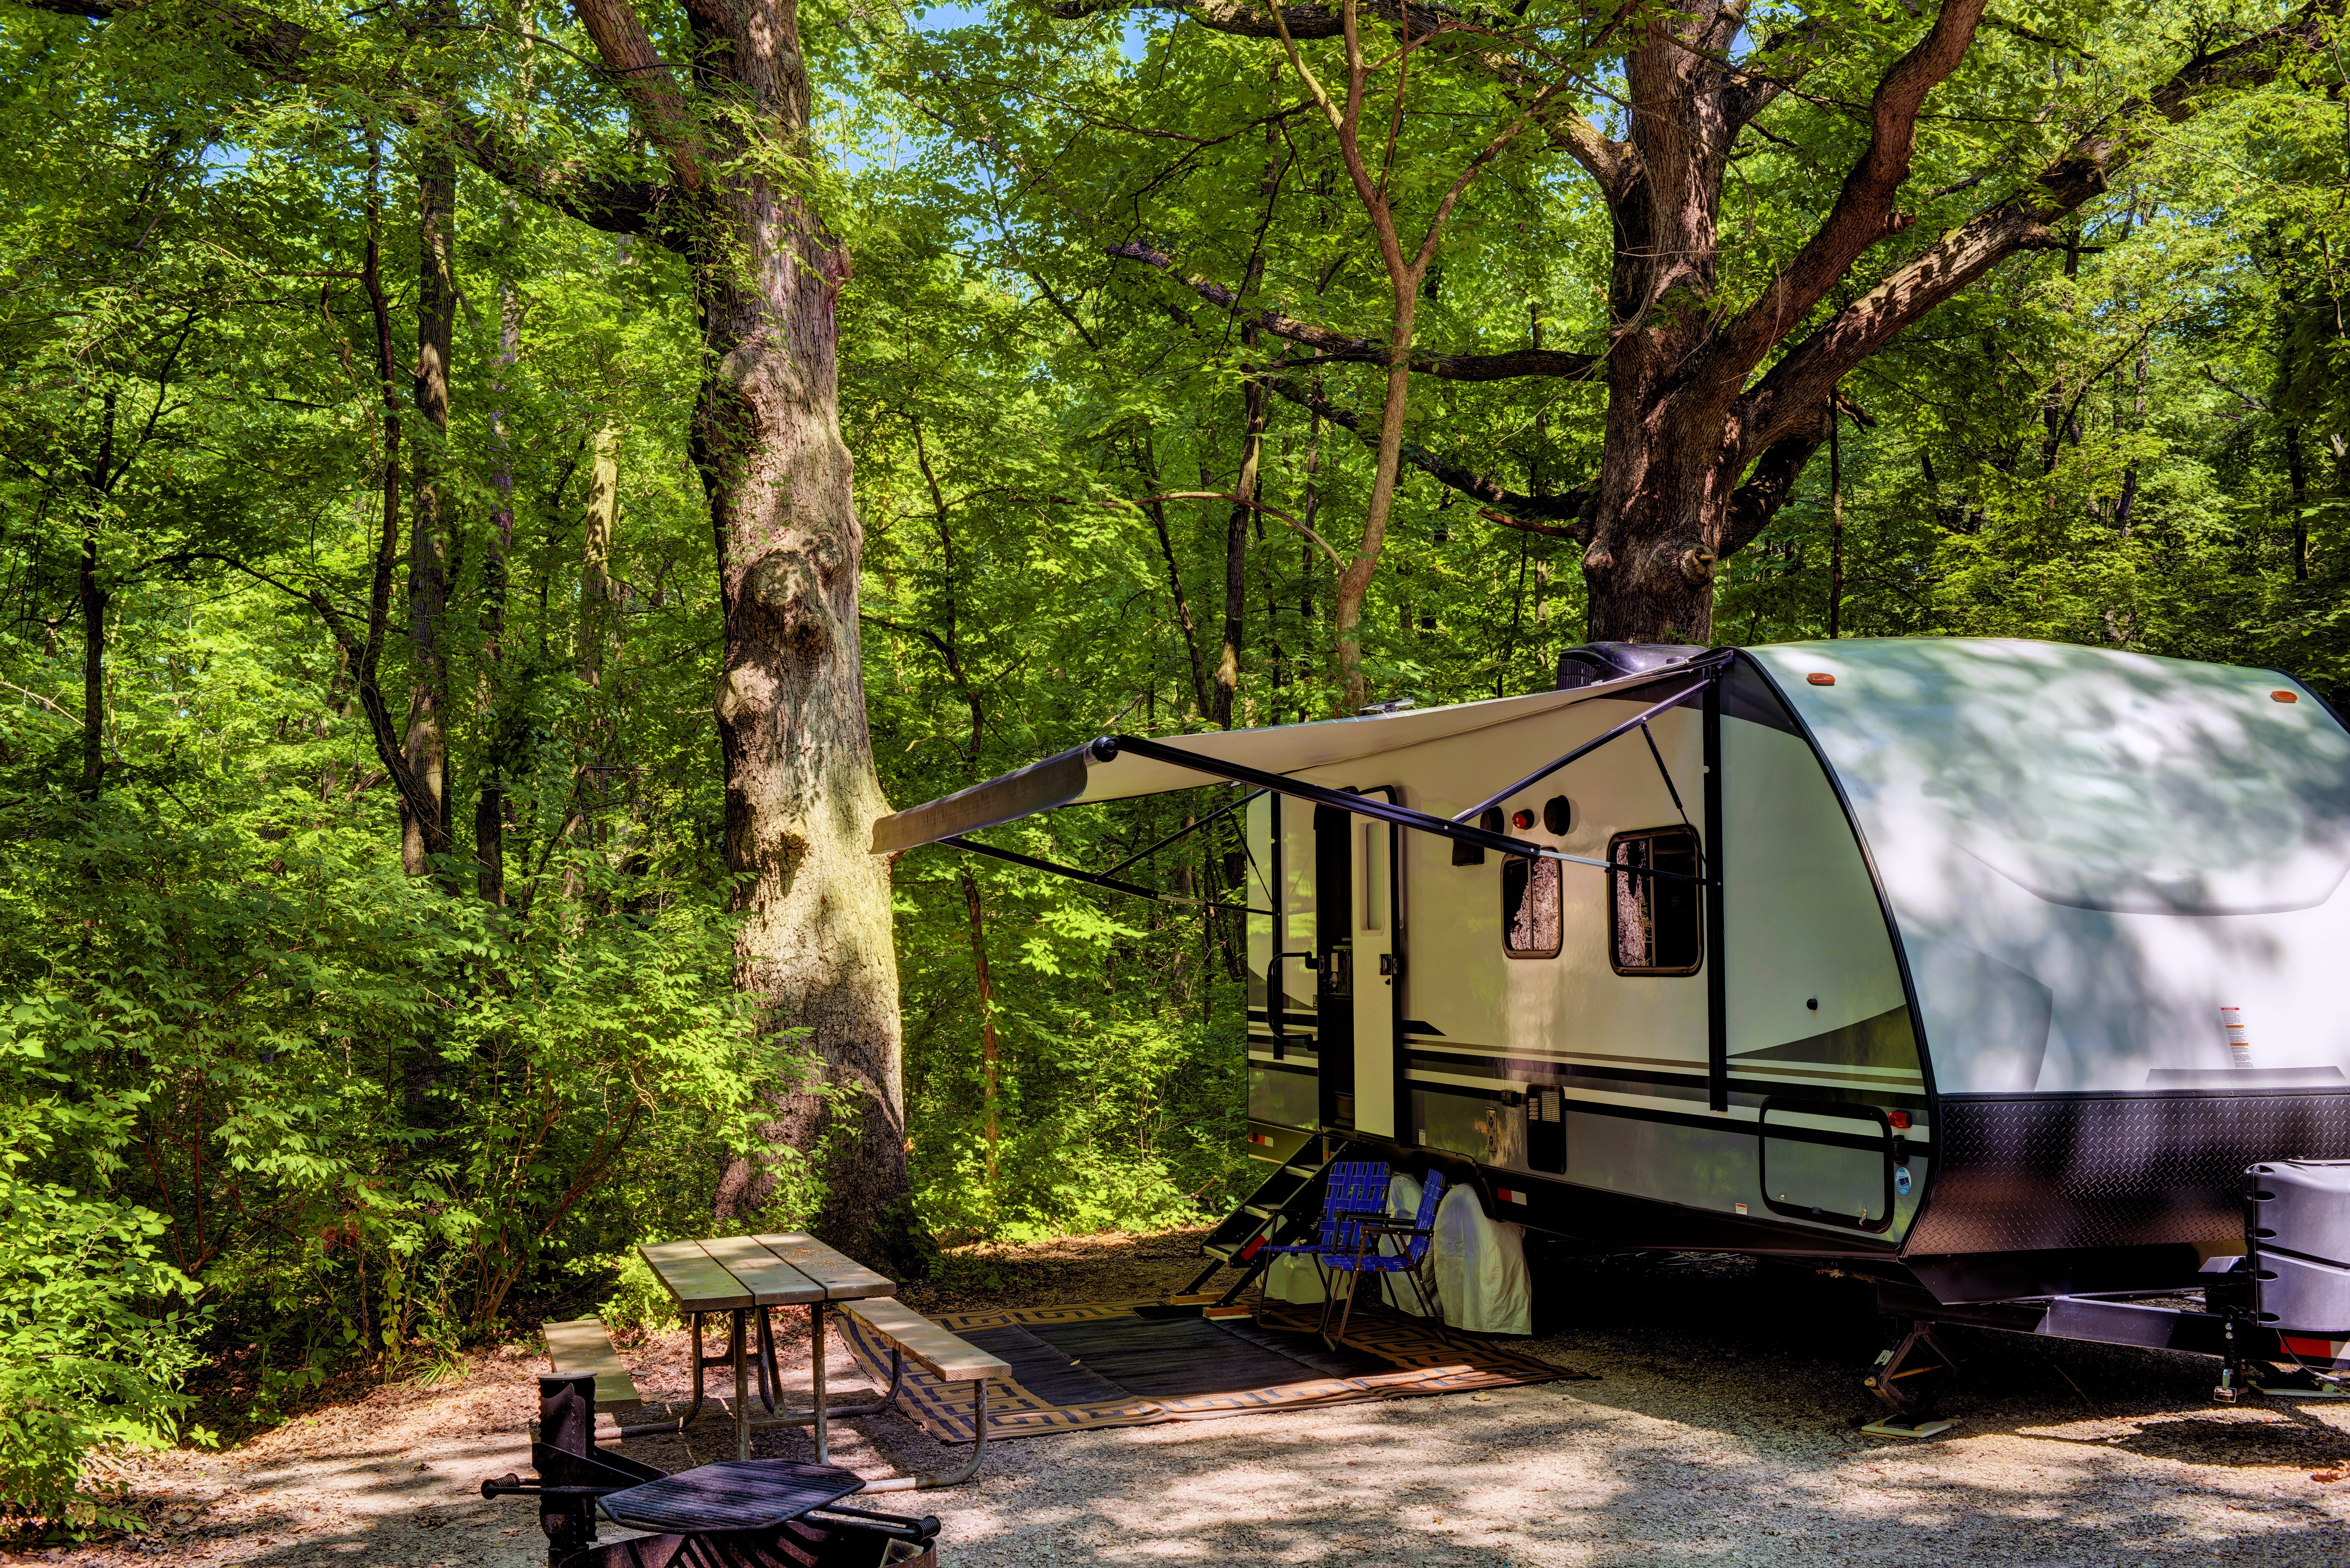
[[744, 1277], [581, 1347]]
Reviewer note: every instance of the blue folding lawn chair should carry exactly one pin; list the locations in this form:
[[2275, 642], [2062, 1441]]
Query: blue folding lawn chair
[[1357, 1190], [1411, 1240]]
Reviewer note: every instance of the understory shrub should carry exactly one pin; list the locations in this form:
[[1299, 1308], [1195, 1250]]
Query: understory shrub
[[92, 1354]]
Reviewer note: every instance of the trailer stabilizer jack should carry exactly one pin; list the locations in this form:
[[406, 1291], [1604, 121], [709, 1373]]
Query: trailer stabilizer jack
[[1907, 1376]]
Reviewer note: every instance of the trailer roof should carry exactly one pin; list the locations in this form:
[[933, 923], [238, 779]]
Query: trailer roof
[[1078, 775], [2090, 777]]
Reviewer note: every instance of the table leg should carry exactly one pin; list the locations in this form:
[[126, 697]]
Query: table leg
[[954, 1477], [771, 1388], [816, 1364], [696, 1410], [741, 1385]]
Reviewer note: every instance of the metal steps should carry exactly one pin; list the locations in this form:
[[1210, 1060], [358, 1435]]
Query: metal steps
[[1283, 1208]]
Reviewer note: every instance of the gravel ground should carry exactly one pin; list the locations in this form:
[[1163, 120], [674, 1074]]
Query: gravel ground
[[1723, 1430]]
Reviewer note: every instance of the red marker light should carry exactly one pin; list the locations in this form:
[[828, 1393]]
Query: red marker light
[[1523, 819], [1900, 1120]]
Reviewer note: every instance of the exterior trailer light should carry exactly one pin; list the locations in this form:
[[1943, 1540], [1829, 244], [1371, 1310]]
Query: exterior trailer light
[[2285, 696], [1820, 678]]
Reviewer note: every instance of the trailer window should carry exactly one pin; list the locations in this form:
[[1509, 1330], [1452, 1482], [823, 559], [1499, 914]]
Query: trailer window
[[1530, 925], [1653, 920]]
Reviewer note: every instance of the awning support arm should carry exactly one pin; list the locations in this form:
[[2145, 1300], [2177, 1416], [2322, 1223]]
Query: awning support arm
[[1071, 872], [1667, 773], [1108, 747], [1217, 815], [1708, 672]]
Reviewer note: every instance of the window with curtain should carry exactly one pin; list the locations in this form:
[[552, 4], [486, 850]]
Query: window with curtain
[[1654, 922], [1530, 922]]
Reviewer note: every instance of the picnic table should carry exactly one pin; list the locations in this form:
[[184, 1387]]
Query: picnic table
[[744, 1277]]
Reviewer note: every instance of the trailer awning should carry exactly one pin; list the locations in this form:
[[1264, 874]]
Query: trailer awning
[[1078, 775]]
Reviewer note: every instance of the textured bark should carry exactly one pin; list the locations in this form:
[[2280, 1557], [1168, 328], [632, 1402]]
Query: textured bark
[[597, 593], [425, 832], [801, 793]]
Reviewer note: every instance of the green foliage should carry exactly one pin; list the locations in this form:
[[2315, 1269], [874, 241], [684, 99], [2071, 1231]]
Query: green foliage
[[91, 1348], [262, 1089]]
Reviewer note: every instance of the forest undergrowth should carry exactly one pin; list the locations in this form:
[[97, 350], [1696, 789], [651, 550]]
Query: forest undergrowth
[[369, 943]]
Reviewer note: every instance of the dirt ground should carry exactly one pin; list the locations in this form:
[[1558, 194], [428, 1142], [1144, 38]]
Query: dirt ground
[[1723, 1430]]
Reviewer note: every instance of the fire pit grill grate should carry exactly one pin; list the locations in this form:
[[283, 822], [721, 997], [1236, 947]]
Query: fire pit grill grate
[[736, 1494]]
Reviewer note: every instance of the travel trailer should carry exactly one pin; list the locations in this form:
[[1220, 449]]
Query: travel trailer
[[1985, 968]]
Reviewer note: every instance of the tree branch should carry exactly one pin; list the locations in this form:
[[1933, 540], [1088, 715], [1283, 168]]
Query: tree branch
[[289, 52], [268, 42], [1244, 22], [1610, 164], [645, 80], [363, 652], [1864, 213], [1754, 90], [1779, 403], [1753, 503], [605, 202], [1337, 347], [1511, 509]]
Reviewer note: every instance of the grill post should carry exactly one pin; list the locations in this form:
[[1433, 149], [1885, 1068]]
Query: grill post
[[566, 1425]]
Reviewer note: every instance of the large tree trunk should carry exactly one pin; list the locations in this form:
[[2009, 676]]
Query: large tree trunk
[[815, 945], [801, 792]]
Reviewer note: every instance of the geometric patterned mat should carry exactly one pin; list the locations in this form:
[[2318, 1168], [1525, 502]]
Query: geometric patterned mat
[[1076, 1367]]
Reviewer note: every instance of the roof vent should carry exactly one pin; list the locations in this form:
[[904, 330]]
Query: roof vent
[[1590, 663], [1394, 705]]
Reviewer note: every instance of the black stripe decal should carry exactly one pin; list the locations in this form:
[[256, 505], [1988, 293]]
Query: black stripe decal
[[1690, 1085], [1748, 1129]]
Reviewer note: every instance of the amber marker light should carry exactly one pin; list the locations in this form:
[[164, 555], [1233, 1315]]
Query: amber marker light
[[2285, 696], [1820, 678]]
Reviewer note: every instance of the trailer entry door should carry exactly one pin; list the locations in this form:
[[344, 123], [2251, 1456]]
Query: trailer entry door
[[1378, 969], [1334, 920]]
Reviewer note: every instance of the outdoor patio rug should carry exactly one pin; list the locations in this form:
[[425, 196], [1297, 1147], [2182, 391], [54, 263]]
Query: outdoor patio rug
[[1106, 1365]]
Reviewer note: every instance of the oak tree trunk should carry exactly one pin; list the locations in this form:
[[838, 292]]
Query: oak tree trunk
[[815, 944]]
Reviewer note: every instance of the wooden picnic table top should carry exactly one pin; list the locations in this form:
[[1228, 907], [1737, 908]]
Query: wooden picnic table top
[[733, 1271]]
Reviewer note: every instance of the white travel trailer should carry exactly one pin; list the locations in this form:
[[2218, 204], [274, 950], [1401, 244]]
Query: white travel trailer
[[1986, 968]]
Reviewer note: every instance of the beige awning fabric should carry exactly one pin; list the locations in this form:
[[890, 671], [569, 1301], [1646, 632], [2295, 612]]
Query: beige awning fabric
[[1077, 776]]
